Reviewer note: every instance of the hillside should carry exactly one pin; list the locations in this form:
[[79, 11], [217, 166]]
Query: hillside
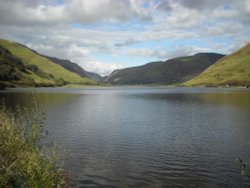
[[73, 67], [31, 69], [172, 71], [11, 68], [95, 76], [232, 70]]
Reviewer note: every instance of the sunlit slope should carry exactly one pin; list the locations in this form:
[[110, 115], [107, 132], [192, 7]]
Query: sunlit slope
[[232, 70], [41, 70]]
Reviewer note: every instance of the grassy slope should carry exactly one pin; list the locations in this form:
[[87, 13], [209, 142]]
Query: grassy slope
[[171, 71], [29, 57], [12, 70], [73, 67], [232, 70]]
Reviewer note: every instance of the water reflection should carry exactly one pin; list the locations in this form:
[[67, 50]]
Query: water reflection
[[240, 98], [26, 98], [147, 137], [237, 98]]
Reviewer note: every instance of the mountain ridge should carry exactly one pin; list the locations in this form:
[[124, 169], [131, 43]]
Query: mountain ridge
[[74, 67], [167, 72], [232, 70], [23, 66], [70, 66], [38, 70]]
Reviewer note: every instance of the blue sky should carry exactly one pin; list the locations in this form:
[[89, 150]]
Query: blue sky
[[104, 35]]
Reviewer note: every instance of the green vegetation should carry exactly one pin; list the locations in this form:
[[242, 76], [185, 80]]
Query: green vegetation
[[232, 70], [23, 163], [26, 67], [21, 66], [73, 67], [10, 67], [168, 72]]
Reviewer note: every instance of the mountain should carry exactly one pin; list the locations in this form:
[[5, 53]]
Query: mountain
[[95, 76], [168, 72], [73, 67], [22, 66], [232, 70], [10, 67]]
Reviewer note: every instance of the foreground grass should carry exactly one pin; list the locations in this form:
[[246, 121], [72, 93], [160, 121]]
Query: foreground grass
[[22, 162]]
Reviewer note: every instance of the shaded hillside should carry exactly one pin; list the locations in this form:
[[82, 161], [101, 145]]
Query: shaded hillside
[[11, 68], [73, 67], [30, 68], [95, 76], [169, 72], [233, 70]]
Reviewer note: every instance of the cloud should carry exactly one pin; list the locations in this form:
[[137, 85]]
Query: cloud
[[80, 30], [164, 5], [102, 68], [187, 50], [201, 5], [223, 29], [91, 11], [18, 13], [75, 53], [28, 3], [127, 42], [72, 11], [157, 53]]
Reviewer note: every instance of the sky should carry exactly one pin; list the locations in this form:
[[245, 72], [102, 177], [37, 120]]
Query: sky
[[104, 35]]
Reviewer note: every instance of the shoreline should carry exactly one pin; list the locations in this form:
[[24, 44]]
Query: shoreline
[[124, 86]]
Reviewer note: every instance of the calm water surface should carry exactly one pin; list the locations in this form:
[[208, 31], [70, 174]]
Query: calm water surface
[[147, 137]]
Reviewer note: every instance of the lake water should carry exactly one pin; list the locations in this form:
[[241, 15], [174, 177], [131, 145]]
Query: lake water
[[146, 137]]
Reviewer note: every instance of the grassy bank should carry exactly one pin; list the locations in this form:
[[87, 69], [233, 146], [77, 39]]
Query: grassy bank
[[23, 163]]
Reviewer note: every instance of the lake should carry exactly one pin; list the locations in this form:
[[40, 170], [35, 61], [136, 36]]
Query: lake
[[146, 136]]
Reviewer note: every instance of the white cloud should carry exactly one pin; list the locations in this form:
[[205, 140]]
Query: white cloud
[[160, 54], [184, 18], [78, 55], [90, 11], [76, 51], [124, 27], [205, 4], [17, 13], [223, 29], [247, 6], [102, 68], [72, 11]]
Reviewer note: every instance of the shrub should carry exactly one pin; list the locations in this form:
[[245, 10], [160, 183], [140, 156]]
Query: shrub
[[23, 163], [32, 67], [61, 82]]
